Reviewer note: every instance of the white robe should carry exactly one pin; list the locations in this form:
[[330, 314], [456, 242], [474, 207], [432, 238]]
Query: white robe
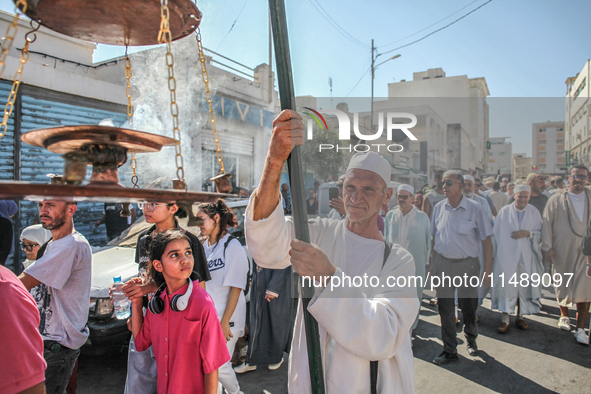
[[521, 256], [356, 325], [411, 231]]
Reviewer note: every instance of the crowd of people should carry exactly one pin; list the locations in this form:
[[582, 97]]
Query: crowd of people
[[189, 309]]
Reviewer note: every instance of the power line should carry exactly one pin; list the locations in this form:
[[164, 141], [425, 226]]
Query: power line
[[436, 23], [353, 88], [438, 30], [231, 27], [338, 28]]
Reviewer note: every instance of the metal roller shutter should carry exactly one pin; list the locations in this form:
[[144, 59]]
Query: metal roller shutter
[[229, 142], [43, 109]]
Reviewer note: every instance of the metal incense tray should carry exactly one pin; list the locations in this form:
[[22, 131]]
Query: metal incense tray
[[103, 147], [114, 22]]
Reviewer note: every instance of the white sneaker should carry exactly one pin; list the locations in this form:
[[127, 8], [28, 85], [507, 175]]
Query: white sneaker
[[581, 337], [564, 323], [244, 367], [273, 367]]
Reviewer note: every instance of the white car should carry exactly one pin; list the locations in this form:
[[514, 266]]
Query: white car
[[118, 259]]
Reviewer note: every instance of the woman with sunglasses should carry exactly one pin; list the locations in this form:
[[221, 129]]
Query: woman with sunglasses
[[32, 238], [408, 227]]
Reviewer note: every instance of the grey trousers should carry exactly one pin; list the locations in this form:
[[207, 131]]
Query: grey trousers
[[467, 299], [59, 368]]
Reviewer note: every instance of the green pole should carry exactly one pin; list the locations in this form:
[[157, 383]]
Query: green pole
[[296, 179]]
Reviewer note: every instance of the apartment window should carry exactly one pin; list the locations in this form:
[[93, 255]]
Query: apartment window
[[560, 147], [542, 130], [581, 87]]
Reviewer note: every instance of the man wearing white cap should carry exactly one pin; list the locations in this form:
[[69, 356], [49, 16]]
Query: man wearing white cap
[[357, 325], [518, 229], [409, 228]]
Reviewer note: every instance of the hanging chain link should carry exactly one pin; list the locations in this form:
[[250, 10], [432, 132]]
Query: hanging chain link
[[11, 33], [30, 37], [208, 97], [129, 92], [165, 36], [6, 45]]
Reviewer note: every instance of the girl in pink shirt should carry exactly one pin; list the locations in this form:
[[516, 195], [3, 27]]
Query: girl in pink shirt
[[184, 331]]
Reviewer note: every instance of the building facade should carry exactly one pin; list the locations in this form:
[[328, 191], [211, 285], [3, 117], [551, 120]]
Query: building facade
[[456, 100], [499, 157], [521, 166], [548, 148], [578, 116]]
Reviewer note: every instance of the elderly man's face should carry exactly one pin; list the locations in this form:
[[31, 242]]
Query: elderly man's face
[[468, 188], [452, 188], [405, 200], [363, 195], [521, 199]]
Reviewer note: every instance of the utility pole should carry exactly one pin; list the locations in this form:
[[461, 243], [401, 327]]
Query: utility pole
[[330, 84], [373, 72]]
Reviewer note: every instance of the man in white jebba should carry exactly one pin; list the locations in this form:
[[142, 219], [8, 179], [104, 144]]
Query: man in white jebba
[[356, 325], [408, 227], [518, 230]]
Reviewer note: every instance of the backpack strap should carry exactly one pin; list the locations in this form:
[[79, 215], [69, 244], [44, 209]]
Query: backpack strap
[[230, 238], [373, 365]]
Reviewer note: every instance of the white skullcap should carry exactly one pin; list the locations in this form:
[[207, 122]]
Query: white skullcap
[[505, 179], [522, 188], [407, 188], [373, 162], [36, 233], [468, 178]]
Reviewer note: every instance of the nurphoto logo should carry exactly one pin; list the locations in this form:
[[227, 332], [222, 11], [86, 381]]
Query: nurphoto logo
[[345, 129]]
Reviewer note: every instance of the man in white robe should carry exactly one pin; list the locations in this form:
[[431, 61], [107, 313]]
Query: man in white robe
[[356, 325], [517, 229], [565, 219], [409, 228]]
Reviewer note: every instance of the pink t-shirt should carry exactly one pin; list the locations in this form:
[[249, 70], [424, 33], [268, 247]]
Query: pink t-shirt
[[19, 337], [184, 342]]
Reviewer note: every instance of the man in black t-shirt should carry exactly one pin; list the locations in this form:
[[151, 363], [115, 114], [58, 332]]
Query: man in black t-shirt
[[537, 182]]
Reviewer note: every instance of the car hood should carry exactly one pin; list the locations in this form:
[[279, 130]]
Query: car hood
[[109, 263]]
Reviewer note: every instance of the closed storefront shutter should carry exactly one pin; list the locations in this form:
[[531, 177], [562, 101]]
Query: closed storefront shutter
[[41, 108]]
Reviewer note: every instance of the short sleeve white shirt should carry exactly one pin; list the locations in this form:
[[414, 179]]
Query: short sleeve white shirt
[[227, 270]]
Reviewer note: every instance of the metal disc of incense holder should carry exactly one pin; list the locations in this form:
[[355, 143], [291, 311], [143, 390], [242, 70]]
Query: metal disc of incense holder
[[101, 193], [103, 147], [114, 22]]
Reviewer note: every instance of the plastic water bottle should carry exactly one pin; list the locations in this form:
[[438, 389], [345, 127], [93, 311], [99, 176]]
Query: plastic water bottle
[[120, 302]]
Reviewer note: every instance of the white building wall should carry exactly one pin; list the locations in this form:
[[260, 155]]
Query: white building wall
[[578, 115], [499, 156], [457, 99]]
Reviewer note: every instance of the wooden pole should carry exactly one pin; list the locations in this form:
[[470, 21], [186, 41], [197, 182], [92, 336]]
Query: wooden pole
[[296, 179]]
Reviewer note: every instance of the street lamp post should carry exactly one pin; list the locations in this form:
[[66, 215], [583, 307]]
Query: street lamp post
[[373, 70]]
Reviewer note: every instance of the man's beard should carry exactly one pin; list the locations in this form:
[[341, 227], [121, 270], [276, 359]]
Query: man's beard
[[469, 195], [55, 223]]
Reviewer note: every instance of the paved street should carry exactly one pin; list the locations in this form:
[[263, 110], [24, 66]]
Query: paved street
[[540, 360]]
